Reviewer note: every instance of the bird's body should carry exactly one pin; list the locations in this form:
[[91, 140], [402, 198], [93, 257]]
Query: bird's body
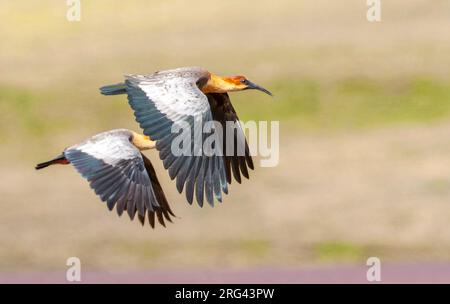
[[190, 96], [119, 173]]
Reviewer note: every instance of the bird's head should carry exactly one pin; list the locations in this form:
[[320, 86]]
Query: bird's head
[[218, 84], [142, 142]]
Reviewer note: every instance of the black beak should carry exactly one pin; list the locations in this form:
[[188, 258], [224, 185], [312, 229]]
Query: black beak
[[251, 85]]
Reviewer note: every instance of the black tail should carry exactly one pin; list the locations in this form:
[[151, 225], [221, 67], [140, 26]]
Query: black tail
[[58, 160], [113, 89]]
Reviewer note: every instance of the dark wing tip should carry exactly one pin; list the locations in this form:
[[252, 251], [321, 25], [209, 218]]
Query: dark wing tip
[[163, 209]]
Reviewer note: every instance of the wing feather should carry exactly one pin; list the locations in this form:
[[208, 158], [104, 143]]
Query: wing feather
[[157, 194]]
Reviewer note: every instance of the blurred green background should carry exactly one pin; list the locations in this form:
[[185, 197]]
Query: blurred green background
[[364, 111]]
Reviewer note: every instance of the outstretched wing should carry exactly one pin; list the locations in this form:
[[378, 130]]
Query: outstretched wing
[[223, 112], [116, 171], [169, 98]]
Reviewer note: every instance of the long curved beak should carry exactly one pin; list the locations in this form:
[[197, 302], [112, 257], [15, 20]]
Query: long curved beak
[[251, 85]]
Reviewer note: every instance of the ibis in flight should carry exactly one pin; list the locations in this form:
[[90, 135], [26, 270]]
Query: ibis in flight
[[124, 178], [189, 95], [119, 173]]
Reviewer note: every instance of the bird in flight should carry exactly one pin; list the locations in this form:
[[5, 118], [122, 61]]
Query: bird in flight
[[191, 96], [119, 173]]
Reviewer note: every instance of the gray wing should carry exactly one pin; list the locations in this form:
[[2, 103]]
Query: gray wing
[[117, 173], [172, 97]]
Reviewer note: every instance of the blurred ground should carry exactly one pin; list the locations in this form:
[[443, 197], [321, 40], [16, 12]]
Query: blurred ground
[[339, 197], [343, 274], [364, 111]]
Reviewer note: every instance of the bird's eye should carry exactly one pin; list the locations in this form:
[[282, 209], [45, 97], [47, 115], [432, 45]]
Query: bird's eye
[[244, 81]]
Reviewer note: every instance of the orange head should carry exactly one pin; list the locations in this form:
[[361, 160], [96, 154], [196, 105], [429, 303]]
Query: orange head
[[218, 84]]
